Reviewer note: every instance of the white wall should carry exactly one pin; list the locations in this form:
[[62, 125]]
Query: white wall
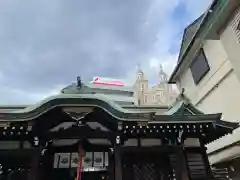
[[230, 37], [219, 90], [225, 98]]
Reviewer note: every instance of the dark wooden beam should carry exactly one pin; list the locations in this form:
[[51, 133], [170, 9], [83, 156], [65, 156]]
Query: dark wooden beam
[[17, 152], [79, 133], [206, 160], [160, 149], [50, 119], [111, 167], [118, 162], [74, 147]]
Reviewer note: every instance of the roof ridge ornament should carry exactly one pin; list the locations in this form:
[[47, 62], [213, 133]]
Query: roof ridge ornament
[[79, 82], [162, 75], [183, 97]]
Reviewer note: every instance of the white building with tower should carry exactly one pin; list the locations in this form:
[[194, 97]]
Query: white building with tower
[[161, 93]]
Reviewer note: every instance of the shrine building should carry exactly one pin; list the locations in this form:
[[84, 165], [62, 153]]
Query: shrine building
[[84, 133]]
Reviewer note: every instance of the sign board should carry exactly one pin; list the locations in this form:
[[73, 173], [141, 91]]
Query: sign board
[[62, 160], [107, 81], [91, 161]]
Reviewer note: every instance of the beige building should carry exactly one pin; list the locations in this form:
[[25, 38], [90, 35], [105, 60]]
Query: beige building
[[161, 93], [208, 70]]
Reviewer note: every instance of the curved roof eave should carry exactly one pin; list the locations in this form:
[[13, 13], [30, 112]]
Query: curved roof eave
[[74, 100]]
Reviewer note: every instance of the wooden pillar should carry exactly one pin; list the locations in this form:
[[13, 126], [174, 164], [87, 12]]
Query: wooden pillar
[[181, 169], [111, 165], [197, 162], [47, 166], [118, 163], [181, 166], [117, 158], [34, 173], [205, 160], [186, 172]]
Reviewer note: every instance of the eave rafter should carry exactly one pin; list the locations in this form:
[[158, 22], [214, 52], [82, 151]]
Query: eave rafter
[[209, 127], [80, 132]]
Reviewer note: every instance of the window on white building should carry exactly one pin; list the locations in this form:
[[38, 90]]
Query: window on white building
[[199, 67], [238, 26], [235, 23], [238, 29], [145, 99]]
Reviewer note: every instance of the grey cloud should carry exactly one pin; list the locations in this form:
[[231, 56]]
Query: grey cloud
[[50, 42], [45, 43]]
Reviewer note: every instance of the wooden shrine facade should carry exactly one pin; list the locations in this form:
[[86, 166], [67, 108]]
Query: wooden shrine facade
[[87, 137]]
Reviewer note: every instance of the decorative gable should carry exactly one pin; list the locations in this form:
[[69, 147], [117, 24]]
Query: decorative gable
[[183, 108]]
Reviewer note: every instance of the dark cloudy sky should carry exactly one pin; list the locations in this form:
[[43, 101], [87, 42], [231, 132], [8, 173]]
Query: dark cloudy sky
[[45, 44]]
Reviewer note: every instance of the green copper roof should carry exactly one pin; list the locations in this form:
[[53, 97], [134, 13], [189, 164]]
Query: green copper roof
[[182, 108], [74, 100], [180, 113], [12, 107], [95, 88], [120, 95], [188, 34]]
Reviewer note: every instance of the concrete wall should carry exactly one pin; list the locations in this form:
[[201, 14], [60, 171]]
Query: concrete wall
[[230, 37], [219, 90]]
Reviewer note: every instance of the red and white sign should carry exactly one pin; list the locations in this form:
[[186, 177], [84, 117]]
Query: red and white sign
[[107, 81]]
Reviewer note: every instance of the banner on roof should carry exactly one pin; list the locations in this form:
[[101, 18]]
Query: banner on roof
[[107, 81]]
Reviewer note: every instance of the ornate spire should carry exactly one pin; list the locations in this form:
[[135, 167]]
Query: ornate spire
[[139, 73], [160, 68], [139, 70], [162, 75]]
